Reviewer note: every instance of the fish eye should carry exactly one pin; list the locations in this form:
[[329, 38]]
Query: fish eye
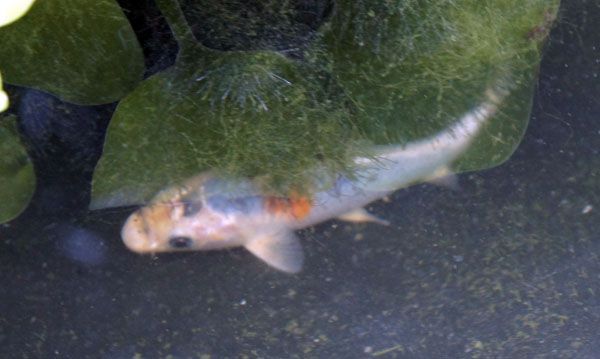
[[180, 242], [191, 208]]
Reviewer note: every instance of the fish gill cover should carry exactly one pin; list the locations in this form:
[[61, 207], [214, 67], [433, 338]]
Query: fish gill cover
[[273, 90]]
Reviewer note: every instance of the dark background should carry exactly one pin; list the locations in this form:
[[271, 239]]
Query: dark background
[[507, 266]]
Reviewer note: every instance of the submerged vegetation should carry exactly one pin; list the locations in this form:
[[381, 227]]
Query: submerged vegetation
[[256, 100], [17, 180]]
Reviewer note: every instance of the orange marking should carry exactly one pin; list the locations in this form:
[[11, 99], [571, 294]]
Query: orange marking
[[300, 206], [296, 206], [276, 205]]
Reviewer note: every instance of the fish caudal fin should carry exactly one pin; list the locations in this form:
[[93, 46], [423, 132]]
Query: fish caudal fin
[[280, 250], [361, 215]]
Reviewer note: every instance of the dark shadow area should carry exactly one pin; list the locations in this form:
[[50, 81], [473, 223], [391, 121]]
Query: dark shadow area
[[287, 27]]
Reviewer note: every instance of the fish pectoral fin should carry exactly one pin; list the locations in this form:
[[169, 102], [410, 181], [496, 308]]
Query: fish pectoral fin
[[362, 215], [281, 250], [444, 177]]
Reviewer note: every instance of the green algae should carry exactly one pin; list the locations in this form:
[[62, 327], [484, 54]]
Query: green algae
[[269, 118], [425, 63], [369, 72], [83, 52], [375, 72], [384, 72]]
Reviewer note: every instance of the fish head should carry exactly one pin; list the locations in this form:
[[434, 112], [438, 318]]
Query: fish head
[[180, 221], [164, 227]]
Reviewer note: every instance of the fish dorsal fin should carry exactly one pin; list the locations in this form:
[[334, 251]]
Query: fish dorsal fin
[[361, 215], [281, 250]]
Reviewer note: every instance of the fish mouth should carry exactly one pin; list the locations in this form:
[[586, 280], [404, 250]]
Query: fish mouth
[[136, 234]]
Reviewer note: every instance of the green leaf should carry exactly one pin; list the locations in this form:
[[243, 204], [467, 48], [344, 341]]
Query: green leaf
[[245, 114], [17, 180], [412, 67], [84, 52], [504, 133], [379, 72]]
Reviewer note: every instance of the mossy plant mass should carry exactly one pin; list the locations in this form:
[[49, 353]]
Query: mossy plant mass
[[273, 90]]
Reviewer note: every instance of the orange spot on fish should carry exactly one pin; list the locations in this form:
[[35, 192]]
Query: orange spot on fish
[[295, 206], [300, 206]]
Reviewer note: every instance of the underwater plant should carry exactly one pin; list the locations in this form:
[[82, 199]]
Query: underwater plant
[[16, 173], [271, 91]]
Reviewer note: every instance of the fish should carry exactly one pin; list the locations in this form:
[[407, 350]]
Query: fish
[[209, 212]]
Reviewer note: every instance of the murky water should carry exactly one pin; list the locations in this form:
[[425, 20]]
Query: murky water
[[506, 266]]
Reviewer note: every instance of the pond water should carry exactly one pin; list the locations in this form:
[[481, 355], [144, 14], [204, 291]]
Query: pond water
[[505, 266]]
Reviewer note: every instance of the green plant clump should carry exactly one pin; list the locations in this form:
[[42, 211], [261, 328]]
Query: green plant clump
[[252, 115], [367, 72], [16, 171], [410, 67], [376, 72]]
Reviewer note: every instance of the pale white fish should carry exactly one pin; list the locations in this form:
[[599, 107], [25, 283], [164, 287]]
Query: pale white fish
[[208, 212]]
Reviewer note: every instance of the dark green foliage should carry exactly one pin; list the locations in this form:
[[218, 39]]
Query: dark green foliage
[[16, 172], [83, 52], [239, 102]]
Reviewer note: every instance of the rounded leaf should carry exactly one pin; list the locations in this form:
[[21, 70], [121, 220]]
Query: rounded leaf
[[412, 67], [17, 179], [84, 52], [246, 114], [379, 72]]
